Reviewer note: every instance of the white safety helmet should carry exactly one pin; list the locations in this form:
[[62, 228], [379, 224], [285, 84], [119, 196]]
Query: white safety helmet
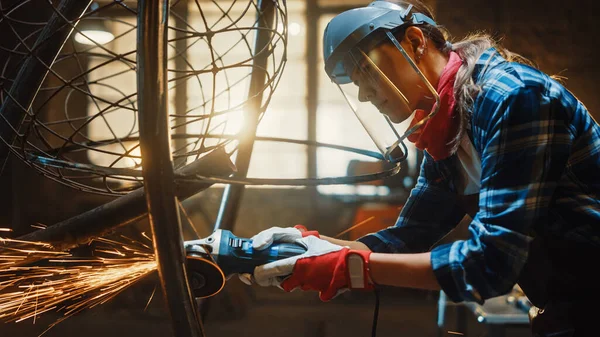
[[347, 41]]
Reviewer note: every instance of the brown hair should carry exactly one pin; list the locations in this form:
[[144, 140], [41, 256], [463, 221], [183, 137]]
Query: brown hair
[[469, 49]]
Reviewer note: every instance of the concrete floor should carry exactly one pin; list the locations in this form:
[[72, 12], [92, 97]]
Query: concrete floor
[[242, 311]]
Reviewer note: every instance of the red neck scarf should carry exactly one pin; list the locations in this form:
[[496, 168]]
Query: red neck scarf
[[437, 133]]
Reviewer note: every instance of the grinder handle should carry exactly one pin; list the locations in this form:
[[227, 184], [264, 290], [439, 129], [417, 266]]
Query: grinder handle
[[242, 258], [285, 250]]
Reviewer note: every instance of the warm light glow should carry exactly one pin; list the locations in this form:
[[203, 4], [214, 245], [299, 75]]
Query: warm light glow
[[294, 28], [130, 158], [365, 190], [94, 36]]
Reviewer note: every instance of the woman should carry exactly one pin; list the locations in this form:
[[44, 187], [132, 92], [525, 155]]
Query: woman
[[503, 142]]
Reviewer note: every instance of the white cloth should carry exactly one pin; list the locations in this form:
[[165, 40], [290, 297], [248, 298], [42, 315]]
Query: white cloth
[[265, 238], [470, 168]]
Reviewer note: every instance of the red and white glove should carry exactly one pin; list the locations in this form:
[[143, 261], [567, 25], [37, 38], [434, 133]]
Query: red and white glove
[[324, 267], [264, 239]]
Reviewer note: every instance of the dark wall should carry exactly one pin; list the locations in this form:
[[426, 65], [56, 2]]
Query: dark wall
[[561, 37]]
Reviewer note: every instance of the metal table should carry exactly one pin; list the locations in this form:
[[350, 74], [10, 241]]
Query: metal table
[[497, 313]]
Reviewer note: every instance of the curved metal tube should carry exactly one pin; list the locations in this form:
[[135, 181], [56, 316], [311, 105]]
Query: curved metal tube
[[108, 217], [157, 166]]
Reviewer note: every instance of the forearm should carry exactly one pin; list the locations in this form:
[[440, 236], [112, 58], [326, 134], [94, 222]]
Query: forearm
[[356, 245], [398, 270], [403, 270]]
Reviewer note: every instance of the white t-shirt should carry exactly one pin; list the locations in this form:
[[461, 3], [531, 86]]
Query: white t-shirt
[[470, 168]]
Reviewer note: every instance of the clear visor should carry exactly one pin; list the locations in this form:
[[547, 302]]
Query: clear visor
[[382, 107]]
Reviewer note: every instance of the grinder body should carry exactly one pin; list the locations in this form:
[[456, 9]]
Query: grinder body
[[236, 255], [211, 260]]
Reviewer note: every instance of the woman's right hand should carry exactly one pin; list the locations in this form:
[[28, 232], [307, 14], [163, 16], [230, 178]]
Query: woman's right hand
[[267, 237]]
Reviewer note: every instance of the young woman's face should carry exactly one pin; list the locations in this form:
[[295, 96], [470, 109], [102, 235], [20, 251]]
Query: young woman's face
[[401, 93]]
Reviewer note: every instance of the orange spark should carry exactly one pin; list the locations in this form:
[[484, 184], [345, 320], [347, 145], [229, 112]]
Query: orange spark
[[354, 227], [67, 283]]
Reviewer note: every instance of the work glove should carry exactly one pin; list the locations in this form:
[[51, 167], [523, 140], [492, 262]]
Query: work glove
[[264, 239], [324, 267]]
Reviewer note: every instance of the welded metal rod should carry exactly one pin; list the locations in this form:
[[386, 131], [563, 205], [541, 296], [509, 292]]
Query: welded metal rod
[[157, 166], [34, 70], [232, 195], [312, 93], [127, 209], [181, 86]]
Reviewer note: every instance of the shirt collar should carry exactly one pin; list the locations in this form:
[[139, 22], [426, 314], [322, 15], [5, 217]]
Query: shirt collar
[[488, 60]]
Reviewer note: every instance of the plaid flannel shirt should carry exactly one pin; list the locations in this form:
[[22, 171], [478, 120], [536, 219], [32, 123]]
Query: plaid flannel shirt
[[540, 178]]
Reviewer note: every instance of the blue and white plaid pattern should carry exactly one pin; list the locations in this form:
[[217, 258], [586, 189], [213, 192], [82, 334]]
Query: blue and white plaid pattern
[[540, 176]]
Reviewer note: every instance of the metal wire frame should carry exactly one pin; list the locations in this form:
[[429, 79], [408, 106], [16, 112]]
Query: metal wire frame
[[35, 137], [153, 134], [68, 162], [46, 144]]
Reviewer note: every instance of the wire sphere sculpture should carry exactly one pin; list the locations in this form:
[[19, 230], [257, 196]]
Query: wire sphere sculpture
[[81, 127]]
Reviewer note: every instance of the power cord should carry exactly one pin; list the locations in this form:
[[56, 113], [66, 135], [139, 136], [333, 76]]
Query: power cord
[[375, 313]]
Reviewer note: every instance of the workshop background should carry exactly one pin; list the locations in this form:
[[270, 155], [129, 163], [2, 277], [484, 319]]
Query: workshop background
[[560, 37]]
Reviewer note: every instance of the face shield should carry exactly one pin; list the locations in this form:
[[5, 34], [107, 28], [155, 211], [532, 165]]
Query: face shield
[[376, 95]]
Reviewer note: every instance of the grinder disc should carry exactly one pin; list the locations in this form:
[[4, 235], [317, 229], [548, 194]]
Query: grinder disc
[[204, 276]]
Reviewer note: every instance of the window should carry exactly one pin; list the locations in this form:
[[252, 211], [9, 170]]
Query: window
[[112, 104], [286, 115]]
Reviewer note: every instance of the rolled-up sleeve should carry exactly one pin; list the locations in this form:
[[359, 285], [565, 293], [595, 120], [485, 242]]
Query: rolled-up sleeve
[[525, 144]]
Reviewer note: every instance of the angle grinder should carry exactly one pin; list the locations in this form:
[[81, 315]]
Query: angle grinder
[[210, 261]]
